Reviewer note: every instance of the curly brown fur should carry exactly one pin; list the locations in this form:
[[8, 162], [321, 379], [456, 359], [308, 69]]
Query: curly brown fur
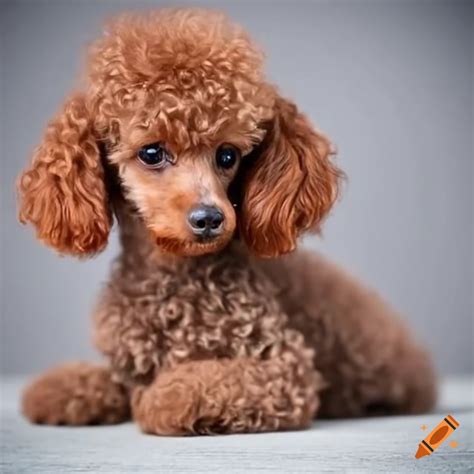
[[240, 395], [203, 335], [368, 358], [76, 394]]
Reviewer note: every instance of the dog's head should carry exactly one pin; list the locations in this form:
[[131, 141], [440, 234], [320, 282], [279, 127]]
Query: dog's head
[[203, 147]]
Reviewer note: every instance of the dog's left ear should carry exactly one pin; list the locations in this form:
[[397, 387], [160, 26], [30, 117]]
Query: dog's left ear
[[290, 186]]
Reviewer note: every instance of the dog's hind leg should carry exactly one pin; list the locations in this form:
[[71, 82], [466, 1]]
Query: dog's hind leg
[[76, 394], [370, 360]]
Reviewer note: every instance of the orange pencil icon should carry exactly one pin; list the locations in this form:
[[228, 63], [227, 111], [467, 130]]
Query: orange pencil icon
[[437, 437]]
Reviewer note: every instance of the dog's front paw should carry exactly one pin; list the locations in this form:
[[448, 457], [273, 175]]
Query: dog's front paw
[[75, 394], [181, 402], [167, 407]]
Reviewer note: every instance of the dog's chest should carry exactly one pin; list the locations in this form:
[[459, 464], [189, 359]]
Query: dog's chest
[[215, 308], [222, 309]]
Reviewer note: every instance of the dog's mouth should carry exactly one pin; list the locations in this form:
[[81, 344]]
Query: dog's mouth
[[190, 248]]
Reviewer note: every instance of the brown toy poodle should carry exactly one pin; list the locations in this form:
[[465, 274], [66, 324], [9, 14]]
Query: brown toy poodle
[[206, 169]]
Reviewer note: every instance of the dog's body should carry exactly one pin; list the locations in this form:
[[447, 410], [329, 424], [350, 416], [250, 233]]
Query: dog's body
[[201, 334], [231, 343]]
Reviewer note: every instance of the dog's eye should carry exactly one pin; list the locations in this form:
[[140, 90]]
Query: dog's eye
[[153, 156], [227, 156]]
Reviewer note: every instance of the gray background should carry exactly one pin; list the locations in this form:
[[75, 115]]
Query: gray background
[[390, 82]]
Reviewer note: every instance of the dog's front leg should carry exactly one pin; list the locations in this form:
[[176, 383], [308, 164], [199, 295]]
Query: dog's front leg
[[76, 394], [229, 396]]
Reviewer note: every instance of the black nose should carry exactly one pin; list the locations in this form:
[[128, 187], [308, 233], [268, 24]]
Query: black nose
[[206, 221]]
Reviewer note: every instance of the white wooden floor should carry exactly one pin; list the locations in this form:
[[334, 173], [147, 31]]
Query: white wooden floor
[[361, 445]]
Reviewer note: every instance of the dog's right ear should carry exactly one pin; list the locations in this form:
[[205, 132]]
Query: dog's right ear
[[63, 192], [291, 184]]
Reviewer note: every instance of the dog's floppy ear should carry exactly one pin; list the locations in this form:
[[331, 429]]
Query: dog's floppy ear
[[63, 193], [290, 185]]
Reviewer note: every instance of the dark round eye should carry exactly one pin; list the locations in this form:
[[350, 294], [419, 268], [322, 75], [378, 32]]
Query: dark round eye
[[153, 156], [227, 156]]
